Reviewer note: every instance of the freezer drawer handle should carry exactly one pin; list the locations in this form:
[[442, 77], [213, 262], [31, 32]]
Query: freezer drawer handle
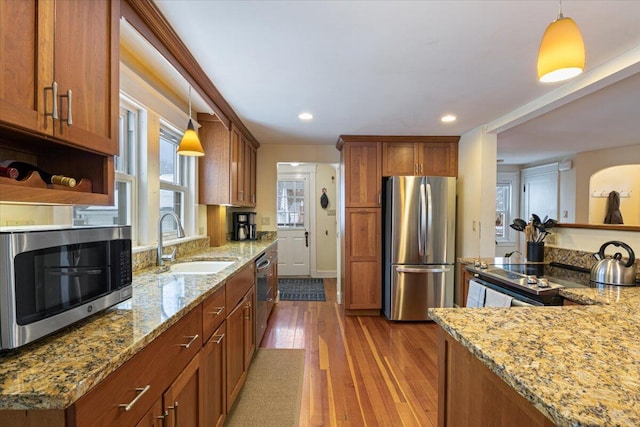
[[423, 270]]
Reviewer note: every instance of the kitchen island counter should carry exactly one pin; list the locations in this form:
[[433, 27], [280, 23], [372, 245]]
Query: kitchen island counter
[[578, 365], [55, 371]]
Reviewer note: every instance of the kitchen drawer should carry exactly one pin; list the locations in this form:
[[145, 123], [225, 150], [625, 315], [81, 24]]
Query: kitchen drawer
[[141, 380], [238, 286], [213, 313]]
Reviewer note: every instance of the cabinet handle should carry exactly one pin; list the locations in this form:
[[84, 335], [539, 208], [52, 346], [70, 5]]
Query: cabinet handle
[[174, 408], [69, 108], [217, 338], [218, 311], [379, 198], [193, 339], [54, 90], [163, 417], [421, 169], [127, 406]]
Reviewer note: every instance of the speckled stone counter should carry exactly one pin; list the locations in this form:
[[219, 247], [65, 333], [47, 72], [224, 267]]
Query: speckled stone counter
[[579, 365], [54, 372]]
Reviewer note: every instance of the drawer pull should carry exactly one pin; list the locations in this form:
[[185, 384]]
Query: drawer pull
[[217, 338], [218, 311], [193, 339], [127, 406], [162, 417]]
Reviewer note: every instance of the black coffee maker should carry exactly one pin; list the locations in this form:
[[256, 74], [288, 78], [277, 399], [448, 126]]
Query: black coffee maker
[[244, 226]]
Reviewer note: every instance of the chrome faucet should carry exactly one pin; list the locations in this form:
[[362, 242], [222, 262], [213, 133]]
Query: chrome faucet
[[170, 257]]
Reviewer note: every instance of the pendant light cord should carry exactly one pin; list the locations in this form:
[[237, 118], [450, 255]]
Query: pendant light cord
[[189, 102], [560, 15]]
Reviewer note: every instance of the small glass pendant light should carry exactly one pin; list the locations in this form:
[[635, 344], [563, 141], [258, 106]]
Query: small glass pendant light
[[561, 55], [190, 144]]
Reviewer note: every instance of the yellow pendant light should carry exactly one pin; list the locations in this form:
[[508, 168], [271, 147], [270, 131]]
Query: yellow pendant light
[[561, 54], [190, 144]]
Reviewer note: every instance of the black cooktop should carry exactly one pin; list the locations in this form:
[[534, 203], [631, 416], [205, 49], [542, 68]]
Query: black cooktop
[[565, 275]]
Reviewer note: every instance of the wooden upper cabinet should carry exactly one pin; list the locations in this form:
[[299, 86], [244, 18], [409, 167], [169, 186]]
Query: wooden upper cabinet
[[64, 53], [227, 173], [400, 159], [363, 182], [22, 52], [433, 156], [86, 70]]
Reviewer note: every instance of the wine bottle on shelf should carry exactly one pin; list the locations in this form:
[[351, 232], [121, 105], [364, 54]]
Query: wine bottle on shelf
[[9, 172], [24, 170]]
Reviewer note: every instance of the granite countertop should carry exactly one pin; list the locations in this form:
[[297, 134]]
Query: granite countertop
[[54, 372], [579, 365]]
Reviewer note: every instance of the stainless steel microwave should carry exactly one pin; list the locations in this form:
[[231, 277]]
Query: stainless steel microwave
[[50, 279]]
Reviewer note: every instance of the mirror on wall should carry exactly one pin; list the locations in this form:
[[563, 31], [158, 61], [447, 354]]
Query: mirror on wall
[[614, 196]]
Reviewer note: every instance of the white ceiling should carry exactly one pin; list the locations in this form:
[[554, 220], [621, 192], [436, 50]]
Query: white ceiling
[[395, 67]]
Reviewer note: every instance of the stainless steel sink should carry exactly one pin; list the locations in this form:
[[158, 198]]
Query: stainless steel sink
[[200, 267]]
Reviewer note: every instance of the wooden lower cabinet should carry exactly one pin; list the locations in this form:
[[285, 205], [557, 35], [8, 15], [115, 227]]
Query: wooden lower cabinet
[[214, 382], [240, 345], [469, 394], [464, 278], [363, 259], [155, 417], [183, 399]]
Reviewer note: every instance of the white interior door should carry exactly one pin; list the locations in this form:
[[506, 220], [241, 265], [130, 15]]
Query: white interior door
[[293, 225]]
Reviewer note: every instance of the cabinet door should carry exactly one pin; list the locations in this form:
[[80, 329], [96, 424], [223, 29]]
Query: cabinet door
[[27, 63], [237, 170], [363, 182], [399, 159], [439, 159], [86, 70], [182, 400], [363, 259], [250, 175], [214, 382], [236, 373], [249, 327]]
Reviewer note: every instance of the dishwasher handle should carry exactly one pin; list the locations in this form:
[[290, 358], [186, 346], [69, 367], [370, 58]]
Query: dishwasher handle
[[423, 270]]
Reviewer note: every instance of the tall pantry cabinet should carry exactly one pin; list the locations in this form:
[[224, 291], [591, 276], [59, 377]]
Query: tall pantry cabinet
[[364, 161]]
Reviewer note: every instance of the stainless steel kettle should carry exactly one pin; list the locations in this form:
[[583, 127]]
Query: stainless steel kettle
[[614, 271]]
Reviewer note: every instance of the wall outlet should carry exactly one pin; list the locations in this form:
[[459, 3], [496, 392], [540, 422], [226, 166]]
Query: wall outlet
[[266, 220], [331, 212], [550, 239]]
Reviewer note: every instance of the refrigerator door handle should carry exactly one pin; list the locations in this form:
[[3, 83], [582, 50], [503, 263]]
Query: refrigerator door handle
[[422, 219], [429, 241], [423, 270]]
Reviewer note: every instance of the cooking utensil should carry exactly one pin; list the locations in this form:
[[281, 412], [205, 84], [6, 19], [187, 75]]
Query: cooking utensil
[[614, 271]]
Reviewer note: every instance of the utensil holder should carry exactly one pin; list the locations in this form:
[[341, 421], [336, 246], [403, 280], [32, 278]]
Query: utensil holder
[[535, 251]]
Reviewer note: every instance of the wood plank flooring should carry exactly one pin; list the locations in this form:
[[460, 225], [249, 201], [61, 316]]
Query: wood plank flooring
[[359, 371]]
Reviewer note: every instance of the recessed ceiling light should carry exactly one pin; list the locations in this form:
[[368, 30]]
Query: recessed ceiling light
[[448, 118], [295, 164], [305, 116]]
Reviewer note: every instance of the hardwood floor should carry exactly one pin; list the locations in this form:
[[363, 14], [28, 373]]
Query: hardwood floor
[[359, 371]]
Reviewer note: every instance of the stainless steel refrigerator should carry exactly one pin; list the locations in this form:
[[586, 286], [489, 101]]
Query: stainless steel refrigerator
[[419, 238]]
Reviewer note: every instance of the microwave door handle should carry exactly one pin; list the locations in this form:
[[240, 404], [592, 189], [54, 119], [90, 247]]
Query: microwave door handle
[[422, 211], [74, 271], [429, 237]]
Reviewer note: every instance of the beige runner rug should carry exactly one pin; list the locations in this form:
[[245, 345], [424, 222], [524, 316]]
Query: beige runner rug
[[272, 393]]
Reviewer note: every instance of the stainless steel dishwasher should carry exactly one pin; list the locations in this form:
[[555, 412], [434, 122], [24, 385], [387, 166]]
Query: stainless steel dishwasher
[[264, 295]]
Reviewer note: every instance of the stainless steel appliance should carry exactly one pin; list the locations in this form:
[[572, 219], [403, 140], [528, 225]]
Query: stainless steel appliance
[[50, 279], [265, 297], [419, 255], [531, 284]]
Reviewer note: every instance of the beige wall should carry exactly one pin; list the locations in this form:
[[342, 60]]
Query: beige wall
[[624, 179], [590, 162], [326, 244], [590, 240]]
